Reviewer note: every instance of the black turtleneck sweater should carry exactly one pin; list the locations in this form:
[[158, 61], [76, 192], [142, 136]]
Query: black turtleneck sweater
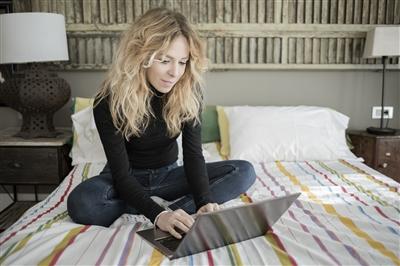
[[153, 149]]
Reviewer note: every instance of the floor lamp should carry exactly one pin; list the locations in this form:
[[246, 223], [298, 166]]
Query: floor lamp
[[382, 42]]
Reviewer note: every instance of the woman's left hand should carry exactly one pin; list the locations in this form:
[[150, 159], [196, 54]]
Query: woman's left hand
[[209, 207]]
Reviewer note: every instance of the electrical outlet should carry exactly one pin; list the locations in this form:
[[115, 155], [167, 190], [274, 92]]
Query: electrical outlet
[[387, 113]]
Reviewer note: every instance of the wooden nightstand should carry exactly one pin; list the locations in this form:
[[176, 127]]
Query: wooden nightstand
[[40, 161], [379, 152]]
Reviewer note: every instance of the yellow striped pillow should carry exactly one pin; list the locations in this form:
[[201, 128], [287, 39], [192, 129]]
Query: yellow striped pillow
[[223, 124]]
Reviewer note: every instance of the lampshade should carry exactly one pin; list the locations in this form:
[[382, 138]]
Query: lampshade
[[382, 41], [32, 37]]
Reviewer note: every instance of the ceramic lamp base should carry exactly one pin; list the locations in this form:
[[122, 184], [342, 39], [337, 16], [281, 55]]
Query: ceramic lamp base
[[37, 94], [37, 125]]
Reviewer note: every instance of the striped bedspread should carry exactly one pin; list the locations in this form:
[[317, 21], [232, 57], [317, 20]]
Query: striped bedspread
[[347, 214]]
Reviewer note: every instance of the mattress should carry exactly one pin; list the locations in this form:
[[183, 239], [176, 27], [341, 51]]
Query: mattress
[[347, 214]]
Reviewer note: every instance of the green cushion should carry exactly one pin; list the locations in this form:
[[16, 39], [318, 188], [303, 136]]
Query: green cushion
[[209, 127]]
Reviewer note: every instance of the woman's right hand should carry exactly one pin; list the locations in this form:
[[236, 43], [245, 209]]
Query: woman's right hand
[[172, 220]]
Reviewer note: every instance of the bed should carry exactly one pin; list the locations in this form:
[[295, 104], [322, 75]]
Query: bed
[[347, 214]]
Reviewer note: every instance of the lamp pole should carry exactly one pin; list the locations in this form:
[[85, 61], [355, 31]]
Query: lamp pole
[[383, 89]]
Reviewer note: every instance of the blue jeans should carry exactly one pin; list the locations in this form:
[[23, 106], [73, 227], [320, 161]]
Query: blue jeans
[[95, 201]]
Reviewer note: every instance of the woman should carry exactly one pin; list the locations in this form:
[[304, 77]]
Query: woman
[[152, 94]]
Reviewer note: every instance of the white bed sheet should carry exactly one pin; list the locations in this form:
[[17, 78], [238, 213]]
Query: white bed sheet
[[347, 214]]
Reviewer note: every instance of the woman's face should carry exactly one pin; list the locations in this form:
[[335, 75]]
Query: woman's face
[[168, 68]]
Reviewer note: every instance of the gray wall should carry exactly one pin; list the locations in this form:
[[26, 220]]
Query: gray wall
[[350, 92]]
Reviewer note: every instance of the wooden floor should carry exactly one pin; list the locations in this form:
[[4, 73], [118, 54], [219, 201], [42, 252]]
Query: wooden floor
[[11, 214]]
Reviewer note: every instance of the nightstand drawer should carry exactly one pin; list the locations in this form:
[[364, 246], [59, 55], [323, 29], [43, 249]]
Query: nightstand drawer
[[389, 168], [388, 149], [31, 165]]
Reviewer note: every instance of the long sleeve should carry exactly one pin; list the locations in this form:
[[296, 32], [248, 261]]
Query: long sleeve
[[128, 188], [194, 164]]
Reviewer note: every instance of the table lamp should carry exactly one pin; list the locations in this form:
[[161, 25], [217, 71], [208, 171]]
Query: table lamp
[[382, 42], [36, 92]]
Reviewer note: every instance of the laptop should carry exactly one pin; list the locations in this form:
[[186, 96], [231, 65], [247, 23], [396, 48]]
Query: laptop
[[221, 228]]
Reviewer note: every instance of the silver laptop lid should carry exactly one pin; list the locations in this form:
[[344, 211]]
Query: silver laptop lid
[[224, 227], [232, 225]]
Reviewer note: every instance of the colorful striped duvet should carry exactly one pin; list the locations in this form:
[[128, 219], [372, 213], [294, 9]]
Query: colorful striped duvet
[[348, 214]]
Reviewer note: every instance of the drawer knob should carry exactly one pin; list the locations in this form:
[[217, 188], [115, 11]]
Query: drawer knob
[[16, 165], [384, 165], [388, 154]]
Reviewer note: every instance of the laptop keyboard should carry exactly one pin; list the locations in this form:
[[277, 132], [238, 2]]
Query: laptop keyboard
[[171, 243]]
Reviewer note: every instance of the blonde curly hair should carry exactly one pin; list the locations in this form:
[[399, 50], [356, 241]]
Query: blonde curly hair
[[126, 87]]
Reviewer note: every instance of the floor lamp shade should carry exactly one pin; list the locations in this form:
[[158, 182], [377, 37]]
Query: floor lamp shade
[[35, 92], [382, 42]]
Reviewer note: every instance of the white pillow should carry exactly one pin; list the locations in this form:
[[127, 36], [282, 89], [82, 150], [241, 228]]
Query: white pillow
[[87, 146], [292, 133]]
